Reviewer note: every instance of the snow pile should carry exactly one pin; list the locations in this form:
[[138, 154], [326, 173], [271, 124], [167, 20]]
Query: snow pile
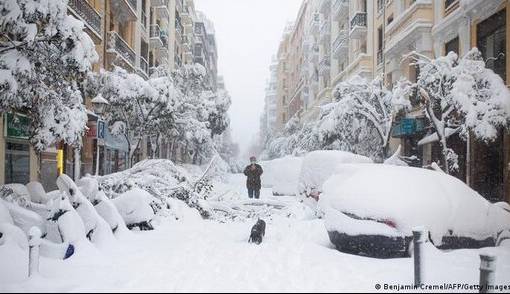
[[162, 179], [281, 174], [395, 158], [96, 228], [135, 208], [318, 166], [441, 203], [104, 206]]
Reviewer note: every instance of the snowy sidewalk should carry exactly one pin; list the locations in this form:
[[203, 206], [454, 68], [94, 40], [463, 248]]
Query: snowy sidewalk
[[198, 256]]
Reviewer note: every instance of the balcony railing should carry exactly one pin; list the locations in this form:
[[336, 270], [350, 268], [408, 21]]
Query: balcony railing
[[117, 44], [340, 42], [178, 5], [144, 19], [340, 8], [88, 14], [359, 20], [132, 3], [325, 64], [379, 56], [155, 31], [325, 28], [450, 6], [144, 66]]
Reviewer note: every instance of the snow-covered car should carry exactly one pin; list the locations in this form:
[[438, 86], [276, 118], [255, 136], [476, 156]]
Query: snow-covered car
[[372, 209], [317, 167], [282, 175]]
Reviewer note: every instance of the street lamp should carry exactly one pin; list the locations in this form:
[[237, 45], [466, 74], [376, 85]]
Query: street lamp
[[99, 103]]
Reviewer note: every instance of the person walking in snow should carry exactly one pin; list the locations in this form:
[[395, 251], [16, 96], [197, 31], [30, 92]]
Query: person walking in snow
[[253, 173]]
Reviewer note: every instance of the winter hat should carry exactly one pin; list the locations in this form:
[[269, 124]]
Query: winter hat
[[253, 158]]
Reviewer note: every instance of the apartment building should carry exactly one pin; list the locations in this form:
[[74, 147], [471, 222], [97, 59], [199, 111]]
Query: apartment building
[[311, 60], [205, 51], [370, 38], [283, 89], [297, 73], [161, 49], [188, 18], [269, 119]]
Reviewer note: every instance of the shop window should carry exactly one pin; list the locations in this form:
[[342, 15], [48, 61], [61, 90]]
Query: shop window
[[452, 45], [17, 163], [491, 41]]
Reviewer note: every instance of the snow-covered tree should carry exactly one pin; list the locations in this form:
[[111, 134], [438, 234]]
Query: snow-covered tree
[[200, 113], [461, 95], [137, 108], [362, 115], [44, 55]]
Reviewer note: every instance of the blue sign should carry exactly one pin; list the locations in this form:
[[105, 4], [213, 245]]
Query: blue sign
[[101, 126]]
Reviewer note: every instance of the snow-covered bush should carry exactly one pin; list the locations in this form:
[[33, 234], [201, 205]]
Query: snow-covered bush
[[159, 177]]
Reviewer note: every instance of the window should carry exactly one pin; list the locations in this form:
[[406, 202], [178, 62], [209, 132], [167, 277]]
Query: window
[[452, 45], [491, 41], [390, 19], [17, 163]]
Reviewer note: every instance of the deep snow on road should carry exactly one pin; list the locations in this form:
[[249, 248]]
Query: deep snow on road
[[191, 254]]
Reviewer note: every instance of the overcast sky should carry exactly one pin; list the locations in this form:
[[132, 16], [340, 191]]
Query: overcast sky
[[248, 33]]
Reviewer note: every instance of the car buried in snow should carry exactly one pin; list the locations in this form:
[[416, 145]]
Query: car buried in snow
[[371, 210]]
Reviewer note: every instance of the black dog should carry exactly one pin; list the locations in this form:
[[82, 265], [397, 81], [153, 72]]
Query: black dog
[[257, 232]]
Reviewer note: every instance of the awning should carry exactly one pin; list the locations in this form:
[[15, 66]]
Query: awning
[[435, 138]]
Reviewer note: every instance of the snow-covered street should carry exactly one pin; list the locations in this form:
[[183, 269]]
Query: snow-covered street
[[191, 254]]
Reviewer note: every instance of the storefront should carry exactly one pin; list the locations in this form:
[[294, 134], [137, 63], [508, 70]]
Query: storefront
[[113, 150], [410, 130]]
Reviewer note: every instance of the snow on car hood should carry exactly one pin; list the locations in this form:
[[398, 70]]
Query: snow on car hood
[[412, 197]]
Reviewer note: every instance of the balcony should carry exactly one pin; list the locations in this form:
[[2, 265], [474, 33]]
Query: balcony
[[315, 23], [155, 36], [119, 47], [358, 25], [161, 8], [325, 32], [144, 68], [340, 9], [450, 6], [124, 9], [379, 57], [325, 28], [179, 5], [324, 65], [325, 6], [87, 14], [340, 45]]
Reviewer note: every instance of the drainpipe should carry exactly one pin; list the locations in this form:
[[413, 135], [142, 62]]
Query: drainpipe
[[468, 139]]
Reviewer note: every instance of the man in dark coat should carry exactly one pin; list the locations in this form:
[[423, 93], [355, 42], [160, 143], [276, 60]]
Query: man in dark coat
[[253, 172]]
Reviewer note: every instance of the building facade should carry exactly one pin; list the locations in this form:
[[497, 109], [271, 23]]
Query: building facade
[[344, 38], [136, 35]]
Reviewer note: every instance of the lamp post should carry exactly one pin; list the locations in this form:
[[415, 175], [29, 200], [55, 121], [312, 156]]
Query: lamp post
[[99, 103]]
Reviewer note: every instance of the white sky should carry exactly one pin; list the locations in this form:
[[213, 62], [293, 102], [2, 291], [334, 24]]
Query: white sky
[[247, 33]]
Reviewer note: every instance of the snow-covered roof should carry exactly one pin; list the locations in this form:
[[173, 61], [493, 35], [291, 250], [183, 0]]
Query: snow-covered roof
[[99, 99]]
